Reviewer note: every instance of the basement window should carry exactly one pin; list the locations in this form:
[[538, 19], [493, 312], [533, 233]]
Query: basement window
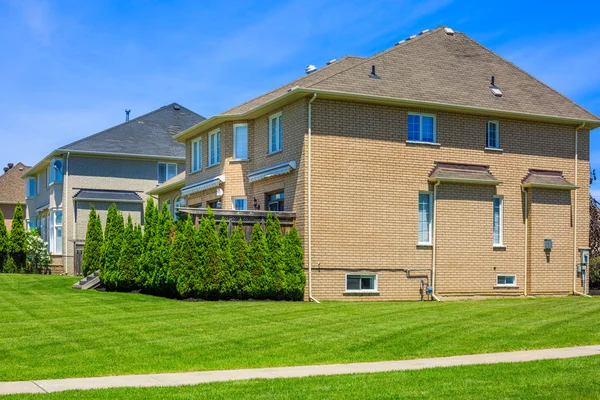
[[361, 283], [506, 280]]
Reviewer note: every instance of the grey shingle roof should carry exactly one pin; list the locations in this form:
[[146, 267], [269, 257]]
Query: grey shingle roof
[[439, 68], [469, 173], [107, 195], [547, 179], [150, 134]]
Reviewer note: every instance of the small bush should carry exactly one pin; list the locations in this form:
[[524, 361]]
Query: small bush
[[131, 250], [238, 247], [595, 273], [294, 263], [111, 247], [18, 242], [92, 249], [260, 284], [185, 264], [4, 243]]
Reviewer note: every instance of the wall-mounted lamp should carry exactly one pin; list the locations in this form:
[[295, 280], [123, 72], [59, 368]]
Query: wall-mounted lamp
[[547, 248], [256, 205]]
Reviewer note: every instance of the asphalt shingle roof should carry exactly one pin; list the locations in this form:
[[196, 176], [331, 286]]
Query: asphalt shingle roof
[[150, 134], [462, 172], [12, 187], [440, 68], [545, 178], [107, 195]]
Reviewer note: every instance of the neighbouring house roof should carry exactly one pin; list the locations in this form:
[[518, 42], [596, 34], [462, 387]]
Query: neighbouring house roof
[[12, 187], [203, 185], [545, 179], [177, 182], [116, 196], [433, 70], [462, 173], [280, 169], [147, 136]]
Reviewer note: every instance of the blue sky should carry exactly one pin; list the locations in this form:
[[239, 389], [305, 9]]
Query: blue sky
[[70, 68]]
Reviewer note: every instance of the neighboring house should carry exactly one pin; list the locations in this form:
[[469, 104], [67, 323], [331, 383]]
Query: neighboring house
[[118, 165], [433, 163], [12, 191], [170, 191]]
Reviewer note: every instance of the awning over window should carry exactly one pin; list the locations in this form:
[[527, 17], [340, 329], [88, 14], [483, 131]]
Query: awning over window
[[280, 169], [544, 179], [462, 173], [202, 186], [116, 196]]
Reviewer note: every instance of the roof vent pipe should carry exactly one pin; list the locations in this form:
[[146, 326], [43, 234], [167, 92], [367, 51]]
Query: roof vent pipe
[[127, 115], [310, 69], [6, 169], [10, 165], [493, 81]]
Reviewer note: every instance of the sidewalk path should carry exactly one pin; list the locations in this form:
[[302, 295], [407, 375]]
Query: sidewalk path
[[193, 378]]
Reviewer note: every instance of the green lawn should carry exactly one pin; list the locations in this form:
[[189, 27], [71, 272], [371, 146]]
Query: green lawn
[[552, 379], [48, 330]]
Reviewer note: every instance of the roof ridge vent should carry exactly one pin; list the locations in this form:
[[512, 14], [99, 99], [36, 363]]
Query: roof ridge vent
[[400, 42], [423, 31], [411, 37], [449, 31], [331, 61], [310, 69]]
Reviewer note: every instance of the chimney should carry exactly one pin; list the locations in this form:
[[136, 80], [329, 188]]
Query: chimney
[[127, 115]]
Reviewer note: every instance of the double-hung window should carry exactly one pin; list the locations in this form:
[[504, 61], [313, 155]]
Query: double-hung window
[[421, 128], [166, 171], [240, 141], [31, 187], [275, 133], [55, 172], [214, 148], [493, 135], [498, 216], [361, 283], [240, 203], [425, 211], [56, 226], [196, 155]]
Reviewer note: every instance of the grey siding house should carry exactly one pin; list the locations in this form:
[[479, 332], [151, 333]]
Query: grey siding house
[[118, 165]]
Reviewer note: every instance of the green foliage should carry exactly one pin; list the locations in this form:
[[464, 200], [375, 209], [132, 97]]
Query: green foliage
[[38, 256], [92, 249], [260, 286], [274, 260], [131, 250], [146, 264], [162, 281], [4, 243], [238, 248], [111, 247], [225, 277], [185, 264], [211, 263], [294, 262], [595, 273], [18, 242]]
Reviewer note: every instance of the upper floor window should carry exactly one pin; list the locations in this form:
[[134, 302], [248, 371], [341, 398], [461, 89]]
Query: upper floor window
[[240, 203], [31, 187], [421, 128], [498, 216], [240, 141], [196, 155], [275, 133], [493, 135], [55, 172], [166, 171], [425, 205], [214, 147]]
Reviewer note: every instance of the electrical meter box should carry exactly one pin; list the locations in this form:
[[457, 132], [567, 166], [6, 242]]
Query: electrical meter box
[[584, 254]]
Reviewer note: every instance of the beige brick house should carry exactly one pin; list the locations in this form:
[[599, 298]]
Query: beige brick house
[[435, 163], [12, 191], [118, 165]]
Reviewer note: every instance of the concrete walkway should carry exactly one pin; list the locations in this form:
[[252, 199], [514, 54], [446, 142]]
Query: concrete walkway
[[193, 378]]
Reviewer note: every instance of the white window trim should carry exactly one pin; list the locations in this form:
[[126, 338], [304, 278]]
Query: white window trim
[[375, 286], [166, 171], [421, 115], [487, 137], [501, 230], [280, 147], [213, 133], [233, 199], [51, 173], [199, 164], [30, 195], [504, 284], [430, 242], [235, 157], [52, 232]]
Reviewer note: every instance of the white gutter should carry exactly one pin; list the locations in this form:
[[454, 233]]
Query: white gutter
[[575, 210], [526, 234], [433, 240], [309, 202], [66, 214]]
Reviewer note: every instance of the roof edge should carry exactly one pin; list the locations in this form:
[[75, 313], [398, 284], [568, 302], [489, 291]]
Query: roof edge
[[180, 184]]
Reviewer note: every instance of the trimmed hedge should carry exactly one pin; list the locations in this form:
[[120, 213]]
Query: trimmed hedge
[[176, 259]]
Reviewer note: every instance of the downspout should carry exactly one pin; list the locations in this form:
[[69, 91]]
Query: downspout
[[575, 211], [433, 240], [309, 201], [65, 214], [526, 210]]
